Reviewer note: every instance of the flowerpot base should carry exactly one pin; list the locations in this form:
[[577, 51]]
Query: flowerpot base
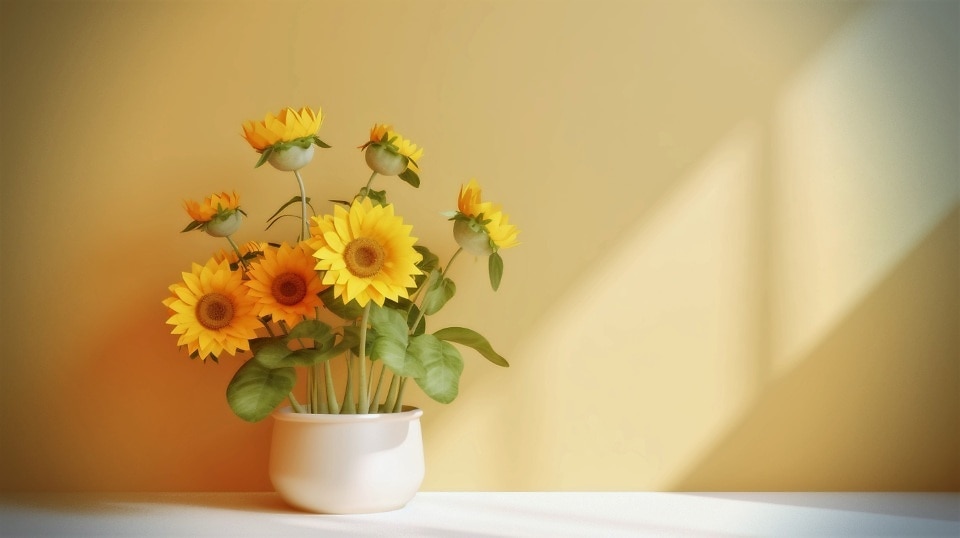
[[347, 464]]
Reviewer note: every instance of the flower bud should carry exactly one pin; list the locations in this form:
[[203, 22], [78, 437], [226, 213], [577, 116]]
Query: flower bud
[[474, 241], [291, 159], [222, 226], [383, 161]]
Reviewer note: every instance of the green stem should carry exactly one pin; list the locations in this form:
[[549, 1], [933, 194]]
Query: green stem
[[304, 227], [399, 405], [318, 386], [267, 327], [427, 283], [449, 263], [243, 263], [392, 394], [375, 401], [366, 189], [420, 313], [331, 393], [349, 401], [311, 396], [364, 389], [297, 408]]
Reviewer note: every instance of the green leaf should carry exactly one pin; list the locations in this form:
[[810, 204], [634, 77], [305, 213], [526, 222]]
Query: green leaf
[[272, 354], [440, 291], [471, 338], [252, 255], [495, 266], [377, 197], [388, 323], [395, 357], [294, 200], [259, 342], [256, 390], [321, 143], [263, 157], [443, 365], [192, 226], [410, 177], [277, 219], [349, 311], [314, 329], [309, 357], [334, 351], [428, 262]]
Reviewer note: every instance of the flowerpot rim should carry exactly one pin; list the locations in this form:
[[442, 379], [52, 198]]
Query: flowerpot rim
[[409, 413]]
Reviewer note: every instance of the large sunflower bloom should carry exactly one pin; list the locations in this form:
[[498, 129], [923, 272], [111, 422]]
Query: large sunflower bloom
[[212, 312], [285, 284], [367, 253], [489, 215], [287, 138]]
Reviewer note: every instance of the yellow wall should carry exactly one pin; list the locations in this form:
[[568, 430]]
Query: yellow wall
[[740, 225]]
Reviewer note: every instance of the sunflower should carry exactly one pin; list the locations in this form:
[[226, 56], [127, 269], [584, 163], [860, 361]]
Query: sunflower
[[209, 207], [285, 283], [288, 125], [218, 214], [367, 253], [286, 130], [212, 312], [477, 215], [389, 154]]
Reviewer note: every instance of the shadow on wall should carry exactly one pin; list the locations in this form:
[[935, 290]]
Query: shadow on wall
[[872, 404], [785, 317]]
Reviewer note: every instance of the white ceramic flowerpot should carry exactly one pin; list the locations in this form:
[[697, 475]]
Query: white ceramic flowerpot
[[347, 464]]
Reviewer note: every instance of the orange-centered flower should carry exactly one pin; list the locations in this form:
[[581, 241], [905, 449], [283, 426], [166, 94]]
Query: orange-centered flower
[[212, 312], [285, 284]]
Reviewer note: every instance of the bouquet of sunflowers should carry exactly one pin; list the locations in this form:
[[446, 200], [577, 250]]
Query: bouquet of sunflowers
[[354, 286]]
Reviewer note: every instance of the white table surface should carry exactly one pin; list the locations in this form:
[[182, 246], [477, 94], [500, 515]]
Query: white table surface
[[489, 514]]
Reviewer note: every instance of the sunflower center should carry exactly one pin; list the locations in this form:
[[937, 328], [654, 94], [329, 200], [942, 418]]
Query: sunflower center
[[214, 311], [364, 257], [288, 289]]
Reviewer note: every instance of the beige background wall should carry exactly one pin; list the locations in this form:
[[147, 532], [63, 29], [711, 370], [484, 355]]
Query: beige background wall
[[740, 259]]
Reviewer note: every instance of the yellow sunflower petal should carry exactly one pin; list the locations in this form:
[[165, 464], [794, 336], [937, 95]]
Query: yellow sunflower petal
[[367, 253]]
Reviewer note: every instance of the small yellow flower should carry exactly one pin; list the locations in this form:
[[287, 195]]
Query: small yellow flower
[[206, 209], [211, 311], [219, 214], [287, 138], [478, 216], [285, 284], [288, 125], [367, 253], [389, 154]]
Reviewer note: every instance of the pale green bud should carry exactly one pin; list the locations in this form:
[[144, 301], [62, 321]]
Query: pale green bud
[[291, 159], [224, 225], [383, 161], [472, 237]]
